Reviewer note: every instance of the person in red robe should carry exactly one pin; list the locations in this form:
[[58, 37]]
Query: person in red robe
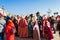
[[23, 27], [46, 28], [8, 31]]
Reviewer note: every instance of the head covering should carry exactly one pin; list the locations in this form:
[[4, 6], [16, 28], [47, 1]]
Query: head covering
[[9, 21], [45, 17], [34, 19], [58, 17], [31, 15], [23, 15]]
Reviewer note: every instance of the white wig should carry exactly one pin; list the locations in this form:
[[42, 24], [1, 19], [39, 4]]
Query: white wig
[[45, 17], [23, 15]]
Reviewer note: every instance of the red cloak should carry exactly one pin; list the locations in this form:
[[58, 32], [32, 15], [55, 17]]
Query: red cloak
[[23, 28], [9, 26], [46, 27]]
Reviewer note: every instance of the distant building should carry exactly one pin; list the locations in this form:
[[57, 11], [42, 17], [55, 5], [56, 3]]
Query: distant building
[[4, 12]]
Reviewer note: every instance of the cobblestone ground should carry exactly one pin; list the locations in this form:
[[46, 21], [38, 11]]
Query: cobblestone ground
[[56, 37]]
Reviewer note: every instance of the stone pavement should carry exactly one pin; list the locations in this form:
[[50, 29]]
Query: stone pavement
[[56, 37]]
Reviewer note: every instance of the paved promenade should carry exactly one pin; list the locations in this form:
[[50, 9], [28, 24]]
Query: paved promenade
[[56, 37]]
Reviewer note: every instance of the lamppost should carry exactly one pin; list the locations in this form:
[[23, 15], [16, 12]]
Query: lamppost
[[56, 14], [3, 9], [49, 11]]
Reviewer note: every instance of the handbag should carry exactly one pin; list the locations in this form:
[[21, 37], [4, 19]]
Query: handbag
[[13, 30]]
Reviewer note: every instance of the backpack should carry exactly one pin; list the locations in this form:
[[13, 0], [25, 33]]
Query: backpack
[[1, 28]]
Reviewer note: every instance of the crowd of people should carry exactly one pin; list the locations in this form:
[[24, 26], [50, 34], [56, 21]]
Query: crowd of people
[[36, 27]]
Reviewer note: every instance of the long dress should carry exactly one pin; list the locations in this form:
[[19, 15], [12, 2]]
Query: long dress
[[58, 26], [16, 26], [47, 29], [36, 32], [23, 28], [9, 26], [30, 28]]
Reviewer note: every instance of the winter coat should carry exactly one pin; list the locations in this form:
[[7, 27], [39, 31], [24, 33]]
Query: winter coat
[[9, 35]]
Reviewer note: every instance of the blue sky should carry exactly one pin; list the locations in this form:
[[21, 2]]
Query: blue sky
[[30, 6]]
